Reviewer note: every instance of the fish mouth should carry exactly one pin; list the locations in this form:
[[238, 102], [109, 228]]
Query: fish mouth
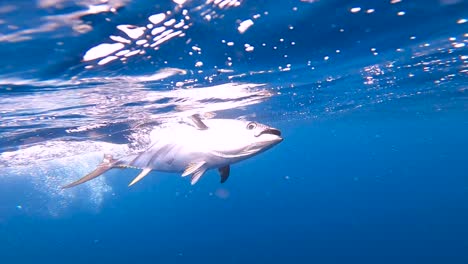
[[270, 131]]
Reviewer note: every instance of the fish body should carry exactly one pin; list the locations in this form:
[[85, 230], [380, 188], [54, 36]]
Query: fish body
[[192, 148]]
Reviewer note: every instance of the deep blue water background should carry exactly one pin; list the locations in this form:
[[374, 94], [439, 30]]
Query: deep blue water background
[[360, 191], [367, 173]]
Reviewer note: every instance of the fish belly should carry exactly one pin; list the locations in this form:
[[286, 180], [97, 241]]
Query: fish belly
[[167, 158]]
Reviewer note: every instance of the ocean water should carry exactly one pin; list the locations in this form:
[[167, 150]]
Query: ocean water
[[370, 97]]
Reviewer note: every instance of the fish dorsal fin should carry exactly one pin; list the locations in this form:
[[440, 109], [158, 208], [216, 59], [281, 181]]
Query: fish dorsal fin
[[192, 168], [197, 175], [107, 163], [224, 173], [198, 122], [140, 176]]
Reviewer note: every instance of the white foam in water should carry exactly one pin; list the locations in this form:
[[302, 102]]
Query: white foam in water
[[244, 25], [167, 37], [157, 30], [107, 60], [170, 22], [50, 165], [120, 39], [172, 26], [132, 31], [179, 2], [156, 19], [102, 50], [122, 52]]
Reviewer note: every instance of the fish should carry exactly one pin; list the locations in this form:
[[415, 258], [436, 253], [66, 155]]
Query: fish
[[192, 147]]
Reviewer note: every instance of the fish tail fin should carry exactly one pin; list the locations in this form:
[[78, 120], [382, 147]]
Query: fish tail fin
[[107, 163]]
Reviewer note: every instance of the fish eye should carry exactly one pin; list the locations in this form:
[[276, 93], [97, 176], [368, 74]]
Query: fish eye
[[251, 125]]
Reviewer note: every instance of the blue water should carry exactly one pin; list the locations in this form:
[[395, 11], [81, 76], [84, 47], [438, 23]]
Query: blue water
[[370, 97]]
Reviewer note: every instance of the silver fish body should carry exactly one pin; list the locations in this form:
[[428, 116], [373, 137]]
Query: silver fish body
[[193, 147]]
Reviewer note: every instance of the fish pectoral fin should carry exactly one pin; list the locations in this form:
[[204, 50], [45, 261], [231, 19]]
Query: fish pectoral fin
[[197, 175], [198, 122], [197, 169], [140, 176], [107, 163], [224, 173], [193, 167]]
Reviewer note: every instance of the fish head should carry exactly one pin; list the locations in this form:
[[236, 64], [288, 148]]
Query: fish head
[[240, 138]]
